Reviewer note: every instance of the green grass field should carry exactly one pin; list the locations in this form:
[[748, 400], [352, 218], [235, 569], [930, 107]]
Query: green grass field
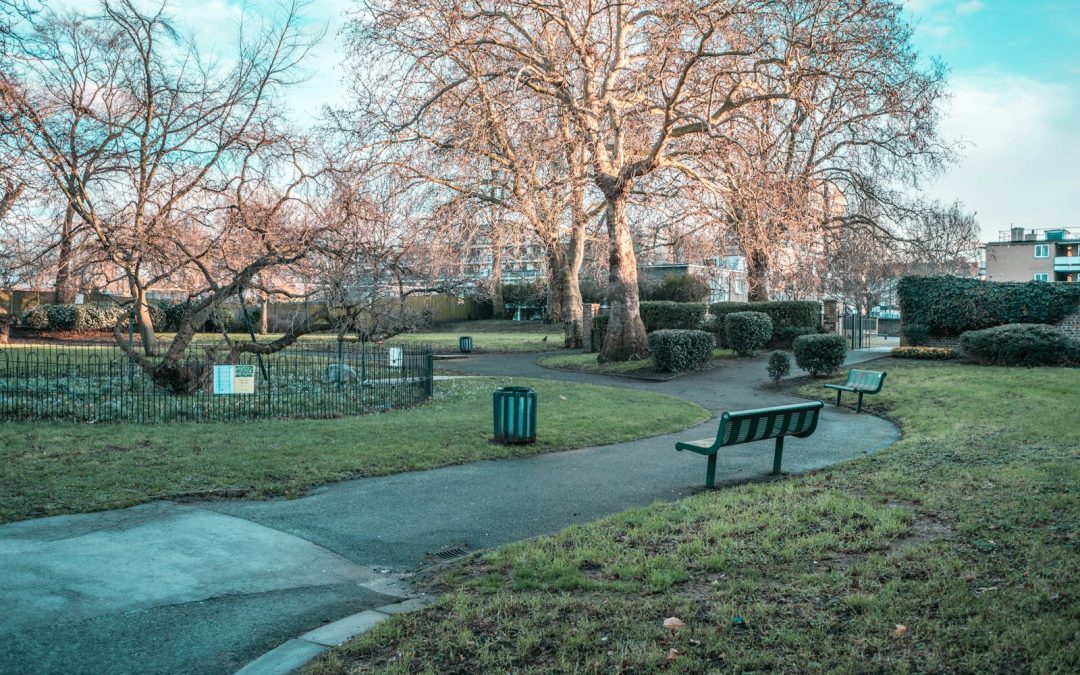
[[955, 550], [52, 468], [492, 335], [587, 363]]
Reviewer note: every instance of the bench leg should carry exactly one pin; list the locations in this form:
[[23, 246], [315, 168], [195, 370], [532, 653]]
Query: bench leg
[[838, 393], [778, 455], [710, 473], [858, 406]]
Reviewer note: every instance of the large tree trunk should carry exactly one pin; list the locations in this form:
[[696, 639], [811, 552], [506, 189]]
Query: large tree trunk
[[555, 283], [625, 339], [757, 277], [63, 290], [573, 330], [264, 318], [5, 328], [142, 315]]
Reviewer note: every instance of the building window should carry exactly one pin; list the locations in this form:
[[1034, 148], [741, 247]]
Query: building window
[[1042, 251], [1041, 276]]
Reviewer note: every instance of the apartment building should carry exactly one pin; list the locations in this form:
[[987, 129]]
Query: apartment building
[[1049, 254]]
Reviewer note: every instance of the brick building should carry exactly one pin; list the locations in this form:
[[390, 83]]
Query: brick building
[[1051, 254]]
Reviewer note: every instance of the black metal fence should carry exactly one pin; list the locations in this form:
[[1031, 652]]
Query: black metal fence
[[99, 383]]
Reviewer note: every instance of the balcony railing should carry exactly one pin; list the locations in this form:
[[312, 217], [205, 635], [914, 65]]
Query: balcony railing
[[1067, 263]]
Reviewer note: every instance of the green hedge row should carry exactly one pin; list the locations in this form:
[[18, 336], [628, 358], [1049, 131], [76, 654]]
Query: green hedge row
[[658, 315], [802, 313], [949, 306], [165, 316]]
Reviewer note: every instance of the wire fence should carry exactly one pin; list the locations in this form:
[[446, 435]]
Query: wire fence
[[99, 383]]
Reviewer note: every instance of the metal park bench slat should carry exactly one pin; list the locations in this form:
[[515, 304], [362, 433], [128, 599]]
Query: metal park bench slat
[[747, 426]]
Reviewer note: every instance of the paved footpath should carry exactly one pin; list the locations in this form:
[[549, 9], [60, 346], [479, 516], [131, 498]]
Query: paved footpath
[[207, 587]]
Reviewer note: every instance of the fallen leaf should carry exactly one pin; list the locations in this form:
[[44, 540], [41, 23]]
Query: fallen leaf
[[899, 630], [673, 623], [672, 654]]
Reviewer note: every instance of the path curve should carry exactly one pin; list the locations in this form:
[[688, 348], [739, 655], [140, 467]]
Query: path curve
[[206, 588]]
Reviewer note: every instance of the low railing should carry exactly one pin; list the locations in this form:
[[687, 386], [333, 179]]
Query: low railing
[[310, 379]]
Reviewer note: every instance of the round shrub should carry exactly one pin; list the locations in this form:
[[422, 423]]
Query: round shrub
[[820, 354], [220, 319], [747, 332], [924, 353], [62, 317], [916, 334], [779, 366], [1021, 344], [676, 351], [37, 318]]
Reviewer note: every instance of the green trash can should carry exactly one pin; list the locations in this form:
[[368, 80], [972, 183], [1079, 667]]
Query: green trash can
[[515, 415], [465, 344]]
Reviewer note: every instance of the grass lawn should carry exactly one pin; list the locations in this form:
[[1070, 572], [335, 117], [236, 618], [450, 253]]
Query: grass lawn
[[956, 550], [490, 336], [53, 468], [587, 363]]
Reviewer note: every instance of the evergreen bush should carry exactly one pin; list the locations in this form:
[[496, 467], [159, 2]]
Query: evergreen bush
[[677, 351], [747, 332], [665, 315], [820, 354], [1021, 344], [779, 366], [949, 306]]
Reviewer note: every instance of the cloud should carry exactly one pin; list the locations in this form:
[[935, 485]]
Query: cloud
[[969, 7], [1019, 162]]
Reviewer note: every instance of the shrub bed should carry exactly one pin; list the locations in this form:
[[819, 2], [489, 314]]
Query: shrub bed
[[925, 353], [820, 354], [949, 306], [779, 366], [66, 317], [747, 332], [1021, 344], [782, 312], [676, 351], [664, 315]]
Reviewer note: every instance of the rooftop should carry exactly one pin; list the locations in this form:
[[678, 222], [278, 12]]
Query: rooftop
[[1037, 234]]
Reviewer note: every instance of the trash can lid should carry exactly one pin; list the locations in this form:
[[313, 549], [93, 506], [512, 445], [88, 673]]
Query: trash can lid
[[513, 389]]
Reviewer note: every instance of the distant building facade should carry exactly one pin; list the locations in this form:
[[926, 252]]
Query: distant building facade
[[726, 276], [1049, 254]]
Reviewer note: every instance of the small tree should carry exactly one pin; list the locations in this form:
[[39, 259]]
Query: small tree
[[779, 367]]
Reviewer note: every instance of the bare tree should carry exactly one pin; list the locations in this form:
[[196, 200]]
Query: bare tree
[[170, 124]]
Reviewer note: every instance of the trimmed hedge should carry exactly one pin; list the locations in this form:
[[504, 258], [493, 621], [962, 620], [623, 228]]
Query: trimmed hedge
[[747, 332], [925, 353], [820, 354], [916, 334], [784, 336], [81, 318], [677, 288], [676, 351], [782, 312], [1021, 344], [949, 306], [665, 315]]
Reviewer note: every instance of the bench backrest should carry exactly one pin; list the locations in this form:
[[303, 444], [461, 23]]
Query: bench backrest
[[745, 426], [869, 381]]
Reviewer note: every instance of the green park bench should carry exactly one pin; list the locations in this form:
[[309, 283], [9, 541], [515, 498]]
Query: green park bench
[[860, 382], [746, 426]]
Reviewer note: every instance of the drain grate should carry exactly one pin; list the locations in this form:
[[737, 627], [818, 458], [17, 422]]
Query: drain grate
[[449, 553]]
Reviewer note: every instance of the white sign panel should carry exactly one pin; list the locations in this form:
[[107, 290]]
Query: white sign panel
[[234, 379]]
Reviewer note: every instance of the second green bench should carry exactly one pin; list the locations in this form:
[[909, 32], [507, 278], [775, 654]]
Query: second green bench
[[746, 426]]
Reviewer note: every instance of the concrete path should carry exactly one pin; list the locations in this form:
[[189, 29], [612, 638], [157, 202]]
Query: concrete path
[[206, 588]]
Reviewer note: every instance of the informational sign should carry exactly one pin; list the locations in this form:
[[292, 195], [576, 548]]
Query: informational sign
[[394, 357], [234, 379]]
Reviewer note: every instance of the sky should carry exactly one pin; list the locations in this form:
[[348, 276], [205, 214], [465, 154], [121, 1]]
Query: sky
[[1014, 74]]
